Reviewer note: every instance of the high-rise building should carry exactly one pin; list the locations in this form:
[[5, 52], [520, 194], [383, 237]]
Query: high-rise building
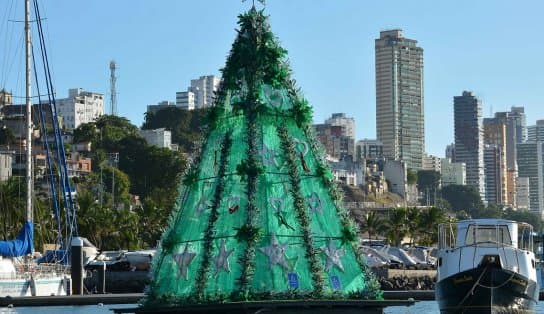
[[520, 123], [536, 132], [522, 194], [399, 98], [80, 107], [531, 165], [200, 94], [495, 133], [450, 151], [369, 149], [340, 119], [336, 144], [469, 138], [494, 180]]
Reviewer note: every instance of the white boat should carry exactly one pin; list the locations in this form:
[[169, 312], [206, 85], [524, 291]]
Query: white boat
[[140, 260], [486, 266], [19, 274]]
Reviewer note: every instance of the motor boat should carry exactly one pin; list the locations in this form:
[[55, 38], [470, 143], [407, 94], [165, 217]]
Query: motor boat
[[486, 266]]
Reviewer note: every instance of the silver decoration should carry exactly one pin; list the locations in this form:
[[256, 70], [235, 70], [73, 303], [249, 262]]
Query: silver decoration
[[315, 203], [333, 256], [221, 260], [269, 156], [277, 204], [273, 96], [276, 252], [305, 147], [201, 206], [183, 260]]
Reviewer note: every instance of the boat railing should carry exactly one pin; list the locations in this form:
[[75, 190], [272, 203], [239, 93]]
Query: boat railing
[[485, 235]]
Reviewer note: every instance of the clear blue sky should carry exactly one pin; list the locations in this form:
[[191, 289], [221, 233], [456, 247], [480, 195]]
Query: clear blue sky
[[493, 48]]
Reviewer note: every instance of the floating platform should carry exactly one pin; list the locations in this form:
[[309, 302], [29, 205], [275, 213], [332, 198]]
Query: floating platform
[[283, 307]]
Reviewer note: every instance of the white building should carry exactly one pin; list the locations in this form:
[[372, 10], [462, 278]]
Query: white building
[[347, 172], [453, 172], [6, 159], [185, 100], [431, 162], [200, 94], [158, 137], [80, 107]]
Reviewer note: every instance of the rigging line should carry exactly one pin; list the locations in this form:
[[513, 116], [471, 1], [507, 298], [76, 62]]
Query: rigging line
[[8, 66], [47, 149], [7, 13], [58, 134]]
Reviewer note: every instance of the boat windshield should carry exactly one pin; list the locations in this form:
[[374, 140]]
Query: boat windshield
[[488, 235]]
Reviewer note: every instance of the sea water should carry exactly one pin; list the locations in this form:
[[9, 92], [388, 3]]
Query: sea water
[[423, 307]]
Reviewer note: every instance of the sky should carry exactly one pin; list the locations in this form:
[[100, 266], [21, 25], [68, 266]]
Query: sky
[[493, 48]]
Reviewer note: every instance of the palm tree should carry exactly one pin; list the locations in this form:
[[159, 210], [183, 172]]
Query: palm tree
[[412, 222], [428, 221], [396, 226], [372, 223]]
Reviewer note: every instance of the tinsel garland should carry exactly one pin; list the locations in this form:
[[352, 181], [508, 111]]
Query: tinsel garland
[[168, 239], [171, 300], [301, 212], [202, 274], [247, 259], [349, 234]]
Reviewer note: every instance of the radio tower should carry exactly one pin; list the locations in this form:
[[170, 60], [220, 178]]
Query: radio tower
[[113, 92]]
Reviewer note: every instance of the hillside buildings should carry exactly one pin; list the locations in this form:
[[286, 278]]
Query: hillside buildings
[[399, 98], [337, 135], [80, 107], [200, 94], [158, 137]]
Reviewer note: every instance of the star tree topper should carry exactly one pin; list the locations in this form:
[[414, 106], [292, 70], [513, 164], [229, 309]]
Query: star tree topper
[[221, 260], [183, 260], [276, 252], [333, 256]]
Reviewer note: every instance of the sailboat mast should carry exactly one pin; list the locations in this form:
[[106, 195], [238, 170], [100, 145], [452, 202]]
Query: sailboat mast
[[28, 51]]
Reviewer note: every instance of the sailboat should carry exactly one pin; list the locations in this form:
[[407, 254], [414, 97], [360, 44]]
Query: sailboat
[[19, 275]]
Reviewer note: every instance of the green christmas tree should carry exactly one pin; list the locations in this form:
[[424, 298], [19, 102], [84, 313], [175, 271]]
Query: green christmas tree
[[258, 216]]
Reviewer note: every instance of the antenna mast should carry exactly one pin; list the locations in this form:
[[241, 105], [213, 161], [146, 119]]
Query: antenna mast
[[113, 92]]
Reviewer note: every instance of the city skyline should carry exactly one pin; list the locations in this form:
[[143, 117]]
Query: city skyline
[[159, 48]]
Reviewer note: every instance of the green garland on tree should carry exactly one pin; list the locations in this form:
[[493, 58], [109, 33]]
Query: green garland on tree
[[301, 211]]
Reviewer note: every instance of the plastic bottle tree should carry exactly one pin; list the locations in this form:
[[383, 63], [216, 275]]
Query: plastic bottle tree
[[258, 216]]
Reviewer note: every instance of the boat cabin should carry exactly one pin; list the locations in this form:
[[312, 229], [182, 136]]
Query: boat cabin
[[486, 232]]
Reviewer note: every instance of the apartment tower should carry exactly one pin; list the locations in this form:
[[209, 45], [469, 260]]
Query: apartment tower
[[399, 98], [469, 139]]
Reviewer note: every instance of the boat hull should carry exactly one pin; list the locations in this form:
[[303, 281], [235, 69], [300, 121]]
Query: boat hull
[[33, 287], [486, 290]]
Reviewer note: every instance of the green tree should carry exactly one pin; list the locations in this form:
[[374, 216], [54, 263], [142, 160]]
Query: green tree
[[429, 219], [411, 176], [372, 224], [396, 225], [185, 125], [412, 221], [428, 182], [12, 206], [462, 197]]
